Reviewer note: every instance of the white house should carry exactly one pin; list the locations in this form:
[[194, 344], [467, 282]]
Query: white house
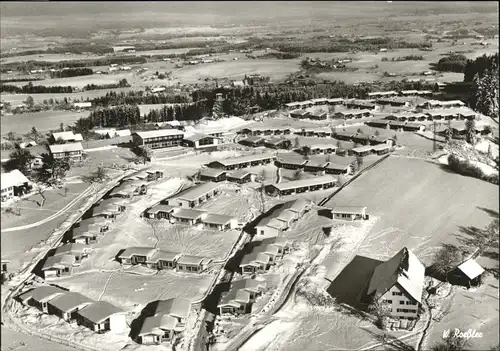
[[13, 183], [102, 316]]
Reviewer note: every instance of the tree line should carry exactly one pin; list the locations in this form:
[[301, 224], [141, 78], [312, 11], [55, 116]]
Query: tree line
[[119, 60], [71, 72], [34, 89], [452, 63], [479, 66], [121, 84], [137, 98]]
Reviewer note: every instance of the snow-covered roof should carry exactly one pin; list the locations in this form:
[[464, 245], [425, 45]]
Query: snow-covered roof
[[197, 137], [71, 248], [210, 172], [349, 209], [194, 193], [123, 132], [380, 147], [362, 148], [67, 136], [157, 324], [294, 184], [177, 307], [336, 166], [471, 268], [405, 269], [187, 213], [59, 148], [245, 159], [191, 260], [217, 219], [12, 178], [239, 174], [137, 251], [159, 133], [253, 257], [234, 297], [248, 284], [163, 255], [42, 293], [90, 232], [99, 311], [69, 301], [58, 262], [161, 208]]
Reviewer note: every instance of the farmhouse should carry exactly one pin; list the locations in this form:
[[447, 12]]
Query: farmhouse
[[241, 176], [200, 140], [14, 183], [66, 305], [102, 316], [275, 143], [78, 251], [167, 320], [108, 209], [156, 139], [136, 255], [243, 161], [254, 141], [241, 295], [397, 284], [57, 266], [194, 196], [38, 297], [212, 175], [189, 263], [282, 216], [68, 137], [301, 186], [299, 114], [466, 274], [73, 151], [349, 212], [364, 150]]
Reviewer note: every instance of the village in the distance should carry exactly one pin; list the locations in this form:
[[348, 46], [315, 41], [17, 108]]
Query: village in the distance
[[210, 176]]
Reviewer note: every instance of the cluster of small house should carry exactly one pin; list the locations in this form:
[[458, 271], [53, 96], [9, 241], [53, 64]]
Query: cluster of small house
[[98, 316], [163, 323], [311, 166], [161, 259], [90, 230], [241, 295]]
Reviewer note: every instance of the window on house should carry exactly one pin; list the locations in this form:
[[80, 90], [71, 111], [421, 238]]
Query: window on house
[[388, 301], [411, 302], [401, 302], [396, 293]]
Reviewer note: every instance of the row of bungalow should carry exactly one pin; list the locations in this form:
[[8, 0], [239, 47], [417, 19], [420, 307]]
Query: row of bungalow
[[315, 166], [301, 186], [282, 216], [433, 115], [164, 322], [193, 217], [396, 125], [266, 131], [302, 114], [98, 316], [90, 230], [241, 296], [243, 161], [193, 196], [314, 102], [260, 256], [161, 259], [240, 176]]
